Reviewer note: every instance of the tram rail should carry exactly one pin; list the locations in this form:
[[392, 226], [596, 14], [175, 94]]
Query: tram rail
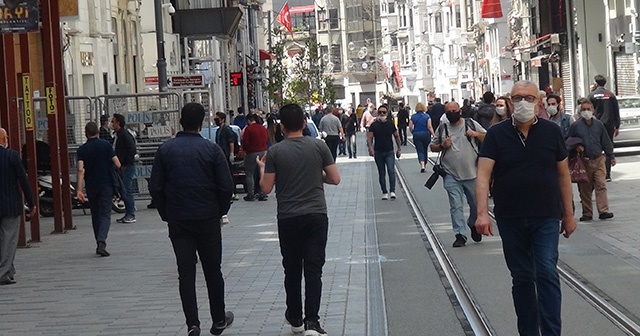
[[624, 320]]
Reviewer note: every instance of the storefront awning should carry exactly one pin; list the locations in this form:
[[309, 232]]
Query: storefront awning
[[265, 55], [491, 9], [533, 45], [302, 9], [537, 61]]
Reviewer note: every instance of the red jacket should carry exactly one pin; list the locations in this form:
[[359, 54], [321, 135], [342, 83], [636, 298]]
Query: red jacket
[[255, 138]]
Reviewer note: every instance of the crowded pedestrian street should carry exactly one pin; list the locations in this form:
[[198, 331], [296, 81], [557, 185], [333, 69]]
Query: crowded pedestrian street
[[380, 276]]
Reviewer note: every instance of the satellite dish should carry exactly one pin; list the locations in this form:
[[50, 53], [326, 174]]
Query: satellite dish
[[361, 54], [325, 57], [351, 46], [365, 65], [350, 64], [364, 50], [330, 66]]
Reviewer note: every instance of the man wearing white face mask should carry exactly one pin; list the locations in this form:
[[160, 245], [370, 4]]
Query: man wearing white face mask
[[532, 193], [595, 141], [557, 115]]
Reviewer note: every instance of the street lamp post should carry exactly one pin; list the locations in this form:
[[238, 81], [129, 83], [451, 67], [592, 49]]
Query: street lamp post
[[162, 61]]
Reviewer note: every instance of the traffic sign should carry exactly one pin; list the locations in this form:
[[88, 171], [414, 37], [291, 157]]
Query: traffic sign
[[186, 81]]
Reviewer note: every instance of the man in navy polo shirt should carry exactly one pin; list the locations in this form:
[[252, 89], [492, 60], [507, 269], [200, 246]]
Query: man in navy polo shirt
[[532, 193], [96, 159]]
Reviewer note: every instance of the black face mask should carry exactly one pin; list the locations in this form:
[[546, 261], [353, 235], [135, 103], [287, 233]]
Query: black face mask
[[453, 117]]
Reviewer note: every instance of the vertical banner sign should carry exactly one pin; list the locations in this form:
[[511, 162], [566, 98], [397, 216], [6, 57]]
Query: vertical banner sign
[[27, 103], [19, 16], [50, 92]]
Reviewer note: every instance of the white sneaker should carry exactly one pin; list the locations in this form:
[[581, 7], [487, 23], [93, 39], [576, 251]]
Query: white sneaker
[[224, 220], [392, 195], [385, 197]]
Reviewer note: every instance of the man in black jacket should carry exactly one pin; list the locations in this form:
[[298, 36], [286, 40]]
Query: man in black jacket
[[11, 206], [125, 147], [192, 185], [607, 111], [486, 110], [436, 111], [403, 122]]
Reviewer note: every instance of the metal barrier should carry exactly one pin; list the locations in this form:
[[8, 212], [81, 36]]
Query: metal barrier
[[154, 117]]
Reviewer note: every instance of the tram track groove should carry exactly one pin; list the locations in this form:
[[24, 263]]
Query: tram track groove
[[617, 314]]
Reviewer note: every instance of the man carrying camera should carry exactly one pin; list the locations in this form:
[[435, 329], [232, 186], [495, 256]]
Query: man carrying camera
[[459, 140]]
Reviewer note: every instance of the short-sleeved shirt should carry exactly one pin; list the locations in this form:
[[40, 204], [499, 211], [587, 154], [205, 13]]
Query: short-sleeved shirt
[[330, 124], [97, 155], [420, 120], [382, 135], [460, 159], [525, 173], [299, 164]]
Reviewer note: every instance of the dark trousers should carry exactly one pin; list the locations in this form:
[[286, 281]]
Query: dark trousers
[[303, 241], [205, 237], [342, 147], [100, 204], [607, 162], [402, 130], [333, 141]]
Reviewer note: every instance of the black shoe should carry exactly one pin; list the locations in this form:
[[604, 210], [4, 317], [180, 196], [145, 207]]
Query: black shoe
[[151, 205], [313, 328], [460, 241], [608, 178], [249, 198], [605, 215], [422, 170], [263, 197], [7, 281], [194, 331], [354, 156], [475, 235], [585, 218], [102, 249], [297, 326], [219, 327]]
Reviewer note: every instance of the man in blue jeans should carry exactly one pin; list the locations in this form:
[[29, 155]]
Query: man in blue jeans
[[299, 166], [125, 147], [192, 198], [456, 140], [532, 193], [380, 144], [96, 160]]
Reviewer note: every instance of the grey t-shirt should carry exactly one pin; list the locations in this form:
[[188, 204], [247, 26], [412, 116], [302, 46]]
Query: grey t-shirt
[[460, 159], [330, 124], [298, 164]]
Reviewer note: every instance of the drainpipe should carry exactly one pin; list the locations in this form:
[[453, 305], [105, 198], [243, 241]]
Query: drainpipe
[[607, 36]]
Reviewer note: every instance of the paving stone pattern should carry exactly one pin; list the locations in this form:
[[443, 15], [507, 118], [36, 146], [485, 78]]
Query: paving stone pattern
[[65, 289]]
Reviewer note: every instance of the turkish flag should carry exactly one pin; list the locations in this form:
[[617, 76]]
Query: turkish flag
[[491, 9], [284, 17]]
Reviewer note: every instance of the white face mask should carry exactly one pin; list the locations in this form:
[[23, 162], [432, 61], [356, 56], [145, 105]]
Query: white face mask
[[501, 110], [552, 109], [586, 114], [382, 118], [524, 111]]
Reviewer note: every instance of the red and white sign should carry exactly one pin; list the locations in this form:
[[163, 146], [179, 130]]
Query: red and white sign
[[151, 80], [186, 81], [396, 70]]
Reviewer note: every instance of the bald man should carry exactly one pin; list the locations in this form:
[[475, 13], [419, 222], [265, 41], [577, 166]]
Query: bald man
[[456, 139], [11, 206], [526, 159]]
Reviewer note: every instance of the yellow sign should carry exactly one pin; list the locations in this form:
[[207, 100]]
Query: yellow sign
[[27, 102], [51, 100]]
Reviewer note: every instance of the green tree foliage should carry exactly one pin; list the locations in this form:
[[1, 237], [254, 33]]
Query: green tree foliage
[[275, 82], [309, 84]]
